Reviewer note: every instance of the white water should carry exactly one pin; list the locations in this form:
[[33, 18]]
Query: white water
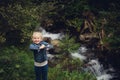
[[76, 55], [93, 65], [51, 35], [99, 71]]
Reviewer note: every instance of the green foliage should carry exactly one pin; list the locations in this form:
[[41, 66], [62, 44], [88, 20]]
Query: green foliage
[[23, 16], [70, 64], [112, 28], [15, 64], [114, 42], [73, 8], [76, 22], [68, 44], [19, 17], [60, 73], [26, 15]]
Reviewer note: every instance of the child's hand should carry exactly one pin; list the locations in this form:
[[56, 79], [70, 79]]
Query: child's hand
[[42, 46]]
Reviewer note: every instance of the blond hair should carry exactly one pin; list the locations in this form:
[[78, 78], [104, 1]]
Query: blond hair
[[37, 33]]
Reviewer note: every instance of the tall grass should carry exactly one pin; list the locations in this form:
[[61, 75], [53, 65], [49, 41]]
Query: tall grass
[[17, 64]]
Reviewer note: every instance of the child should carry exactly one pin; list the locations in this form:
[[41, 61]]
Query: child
[[40, 57]]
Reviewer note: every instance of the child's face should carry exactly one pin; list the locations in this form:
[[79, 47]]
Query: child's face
[[36, 38]]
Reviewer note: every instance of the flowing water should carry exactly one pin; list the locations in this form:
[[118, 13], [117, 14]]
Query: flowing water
[[92, 64], [53, 36], [86, 55]]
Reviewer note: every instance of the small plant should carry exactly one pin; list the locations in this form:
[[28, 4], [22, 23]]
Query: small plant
[[68, 44]]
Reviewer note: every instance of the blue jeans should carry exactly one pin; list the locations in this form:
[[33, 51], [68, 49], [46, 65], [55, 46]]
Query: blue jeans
[[41, 72]]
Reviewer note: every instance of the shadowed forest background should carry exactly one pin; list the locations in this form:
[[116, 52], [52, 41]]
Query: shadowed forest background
[[92, 22]]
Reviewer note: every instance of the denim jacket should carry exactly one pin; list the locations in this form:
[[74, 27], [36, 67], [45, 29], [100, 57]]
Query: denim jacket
[[40, 54]]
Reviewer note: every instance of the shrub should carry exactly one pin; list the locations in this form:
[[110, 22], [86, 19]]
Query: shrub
[[15, 64]]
